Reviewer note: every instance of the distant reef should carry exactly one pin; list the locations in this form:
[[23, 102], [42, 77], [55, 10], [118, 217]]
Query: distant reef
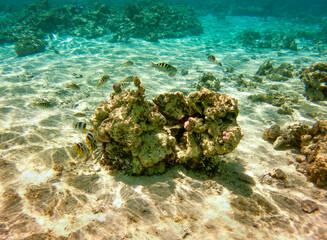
[[149, 20]]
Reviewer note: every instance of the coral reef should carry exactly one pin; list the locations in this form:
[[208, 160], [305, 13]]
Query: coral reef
[[282, 73], [268, 39], [154, 20], [144, 137], [243, 82], [312, 142], [285, 101], [315, 80], [148, 20], [208, 80], [28, 46]]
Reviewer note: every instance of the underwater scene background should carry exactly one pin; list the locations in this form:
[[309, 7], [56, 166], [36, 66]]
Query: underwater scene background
[[163, 119]]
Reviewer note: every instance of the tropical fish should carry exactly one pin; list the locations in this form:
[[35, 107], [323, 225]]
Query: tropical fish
[[165, 67], [77, 75], [213, 59], [80, 126], [103, 80], [81, 149], [127, 80], [42, 103], [91, 142], [73, 86], [127, 64], [79, 114]]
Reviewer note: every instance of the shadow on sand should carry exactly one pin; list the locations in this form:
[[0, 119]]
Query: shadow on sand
[[230, 175]]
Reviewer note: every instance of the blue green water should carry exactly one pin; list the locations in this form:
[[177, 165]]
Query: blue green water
[[48, 191]]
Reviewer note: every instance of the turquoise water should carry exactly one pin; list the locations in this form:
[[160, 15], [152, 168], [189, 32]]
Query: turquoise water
[[48, 191]]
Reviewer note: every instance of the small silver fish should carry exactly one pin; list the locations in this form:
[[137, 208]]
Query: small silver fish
[[81, 149], [213, 59], [80, 126], [127, 80], [103, 80], [73, 86], [165, 67], [91, 142]]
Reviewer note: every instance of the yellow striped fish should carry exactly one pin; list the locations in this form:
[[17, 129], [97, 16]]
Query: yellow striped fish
[[91, 142], [165, 67], [127, 80], [103, 80], [81, 149], [81, 126]]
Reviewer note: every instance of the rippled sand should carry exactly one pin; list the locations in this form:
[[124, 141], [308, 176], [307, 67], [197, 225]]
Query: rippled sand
[[48, 192]]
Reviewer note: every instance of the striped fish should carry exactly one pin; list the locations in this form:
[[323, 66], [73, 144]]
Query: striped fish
[[42, 103], [165, 67], [81, 149], [91, 142], [127, 80], [103, 80], [81, 126]]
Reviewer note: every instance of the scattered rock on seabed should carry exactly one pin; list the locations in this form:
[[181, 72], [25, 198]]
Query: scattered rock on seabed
[[309, 206]]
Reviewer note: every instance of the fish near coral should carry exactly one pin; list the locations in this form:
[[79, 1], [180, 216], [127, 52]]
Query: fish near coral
[[213, 59], [103, 80], [127, 80], [165, 67], [91, 142], [81, 126], [81, 149]]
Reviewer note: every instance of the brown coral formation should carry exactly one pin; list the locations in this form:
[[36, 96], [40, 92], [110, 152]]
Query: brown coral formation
[[315, 80], [208, 80], [282, 73], [285, 101], [144, 137], [313, 145]]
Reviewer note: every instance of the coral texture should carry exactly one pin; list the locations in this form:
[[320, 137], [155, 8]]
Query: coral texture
[[144, 137], [285, 101], [208, 80], [150, 20], [282, 73], [315, 80], [313, 145], [269, 39], [28, 46]]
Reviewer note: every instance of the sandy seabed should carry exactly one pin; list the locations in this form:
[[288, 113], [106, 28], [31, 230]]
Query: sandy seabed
[[85, 201]]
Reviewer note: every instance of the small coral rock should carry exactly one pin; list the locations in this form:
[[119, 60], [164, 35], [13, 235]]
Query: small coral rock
[[312, 142], [315, 79], [309, 206], [28, 46], [270, 134], [279, 174], [208, 80]]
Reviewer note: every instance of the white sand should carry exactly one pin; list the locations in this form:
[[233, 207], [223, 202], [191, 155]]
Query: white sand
[[88, 202]]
